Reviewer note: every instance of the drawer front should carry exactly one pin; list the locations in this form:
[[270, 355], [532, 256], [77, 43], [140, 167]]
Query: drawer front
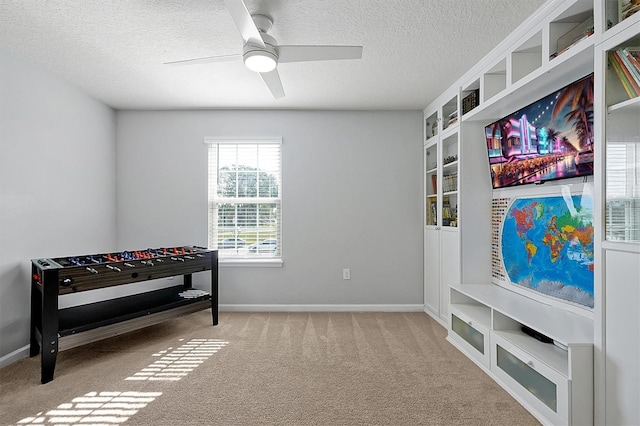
[[472, 336], [543, 388]]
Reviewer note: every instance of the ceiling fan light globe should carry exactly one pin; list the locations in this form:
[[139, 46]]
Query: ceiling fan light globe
[[260, 61]]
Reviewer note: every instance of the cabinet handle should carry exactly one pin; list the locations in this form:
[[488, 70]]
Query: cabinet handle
[[530, 364], [470, 323]]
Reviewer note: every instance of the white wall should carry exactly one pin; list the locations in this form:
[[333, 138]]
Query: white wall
[[351, 199], [57, 184]]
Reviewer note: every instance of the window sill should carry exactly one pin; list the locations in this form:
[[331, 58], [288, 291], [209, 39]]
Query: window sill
[[250, 263]]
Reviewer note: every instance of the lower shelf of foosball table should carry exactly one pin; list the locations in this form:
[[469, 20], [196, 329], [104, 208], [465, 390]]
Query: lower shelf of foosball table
[[87, 323]]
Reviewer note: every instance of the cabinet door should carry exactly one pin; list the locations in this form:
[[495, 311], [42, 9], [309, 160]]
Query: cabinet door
[[449, 267], [622, 215], [535, 383], [432, 270], [622, 334], [472, 336]]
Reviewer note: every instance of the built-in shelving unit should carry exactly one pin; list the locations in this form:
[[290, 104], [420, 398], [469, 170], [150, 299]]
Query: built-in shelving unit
[[572, 380], [618, 323], [441, 175]]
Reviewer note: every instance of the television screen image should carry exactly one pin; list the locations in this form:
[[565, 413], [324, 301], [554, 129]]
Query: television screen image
[[547, 140]]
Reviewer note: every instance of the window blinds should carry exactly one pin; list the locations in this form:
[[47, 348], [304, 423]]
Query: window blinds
[[245, 198]]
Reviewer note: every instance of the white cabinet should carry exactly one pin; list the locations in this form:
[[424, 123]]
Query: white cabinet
[[532, 378], [470, 327], [449, 267], [441, 270], [622, 337], [553, 380], [441, 238], [618, 322], [432, 271]]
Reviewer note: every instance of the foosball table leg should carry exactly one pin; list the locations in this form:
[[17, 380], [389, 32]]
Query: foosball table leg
[[48, 364], [214, 287], [49, 317], [36, 313]]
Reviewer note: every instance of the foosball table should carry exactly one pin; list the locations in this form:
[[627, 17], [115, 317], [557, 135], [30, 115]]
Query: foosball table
[[54, 329]]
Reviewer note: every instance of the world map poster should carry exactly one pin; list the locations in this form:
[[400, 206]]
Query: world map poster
[[547, 246]]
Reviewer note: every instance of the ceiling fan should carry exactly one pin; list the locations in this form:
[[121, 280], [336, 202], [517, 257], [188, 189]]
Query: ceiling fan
[[261, 53]]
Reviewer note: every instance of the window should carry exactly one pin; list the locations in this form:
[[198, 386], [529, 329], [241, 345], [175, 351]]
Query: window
[[245, 199]]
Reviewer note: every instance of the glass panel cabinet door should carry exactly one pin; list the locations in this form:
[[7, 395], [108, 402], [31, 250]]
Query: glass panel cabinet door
[[623, 191], [622, 173], [468, 333], [622, 159], [541, 387], [431, 184]]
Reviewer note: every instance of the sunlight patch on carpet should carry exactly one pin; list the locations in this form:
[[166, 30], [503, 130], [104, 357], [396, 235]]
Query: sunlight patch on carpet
[[113, 408], [173, 364], [94, 409]]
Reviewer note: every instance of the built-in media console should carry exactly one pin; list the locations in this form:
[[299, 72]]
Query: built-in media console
[[542, 354], [54, 329]]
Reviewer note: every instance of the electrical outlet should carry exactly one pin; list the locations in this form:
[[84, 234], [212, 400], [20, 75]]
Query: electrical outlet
[[346, 274]]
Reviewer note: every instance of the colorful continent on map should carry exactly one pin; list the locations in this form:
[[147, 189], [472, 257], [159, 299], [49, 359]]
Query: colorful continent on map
[[524, 218]]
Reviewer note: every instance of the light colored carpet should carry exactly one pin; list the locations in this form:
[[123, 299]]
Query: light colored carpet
[[264, 369]]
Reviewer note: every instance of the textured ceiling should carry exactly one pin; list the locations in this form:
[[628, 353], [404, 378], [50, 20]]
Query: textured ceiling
[[114, 50]]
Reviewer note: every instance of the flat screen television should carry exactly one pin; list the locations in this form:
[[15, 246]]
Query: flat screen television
[[549, 139]]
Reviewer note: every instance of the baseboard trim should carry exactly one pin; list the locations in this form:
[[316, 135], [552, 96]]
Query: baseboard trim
[[14, 356], [320, 308]]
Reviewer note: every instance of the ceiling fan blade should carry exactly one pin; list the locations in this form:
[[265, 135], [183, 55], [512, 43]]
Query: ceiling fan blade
[[244, 22], [205, 60], [317, 53], [272, 80]]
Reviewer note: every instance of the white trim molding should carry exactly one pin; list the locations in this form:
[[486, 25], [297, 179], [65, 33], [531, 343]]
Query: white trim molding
[[250, 263], [217, 140], [320, 308], [14, 356]]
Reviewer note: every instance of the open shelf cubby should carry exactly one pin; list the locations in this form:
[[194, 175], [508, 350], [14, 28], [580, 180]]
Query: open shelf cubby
[[494, 81], [471, 97], [526, 58], [570, 27]]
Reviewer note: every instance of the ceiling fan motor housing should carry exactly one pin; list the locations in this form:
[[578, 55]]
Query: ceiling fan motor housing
[[258, 58]]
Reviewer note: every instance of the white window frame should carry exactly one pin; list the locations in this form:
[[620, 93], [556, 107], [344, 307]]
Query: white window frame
[[246, 260]]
